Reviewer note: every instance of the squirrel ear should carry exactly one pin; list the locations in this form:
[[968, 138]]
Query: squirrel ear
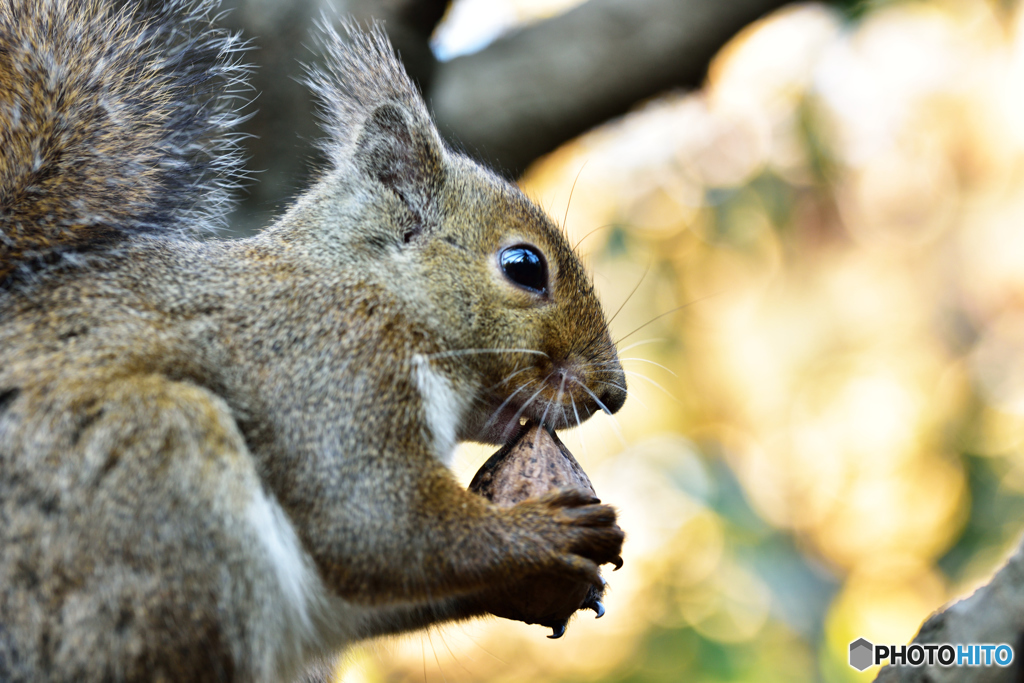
[[403, 157]]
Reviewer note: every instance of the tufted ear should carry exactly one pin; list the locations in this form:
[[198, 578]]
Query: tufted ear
[[402, 154]]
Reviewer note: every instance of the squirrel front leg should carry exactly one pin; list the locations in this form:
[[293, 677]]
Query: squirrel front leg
[[489, 601], [424, 539]]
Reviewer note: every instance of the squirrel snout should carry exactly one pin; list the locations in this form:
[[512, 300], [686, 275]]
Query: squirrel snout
[[613, 383], [611, 380], [613, 399]]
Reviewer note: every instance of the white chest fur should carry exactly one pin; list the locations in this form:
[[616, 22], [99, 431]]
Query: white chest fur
[[291, 606], [442, 407]]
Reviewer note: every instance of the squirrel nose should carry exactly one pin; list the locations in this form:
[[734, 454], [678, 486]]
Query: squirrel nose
[[613, 398]]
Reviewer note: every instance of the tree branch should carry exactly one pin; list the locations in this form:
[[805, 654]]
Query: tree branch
[[519, 98], [529, 92], [993, 614]]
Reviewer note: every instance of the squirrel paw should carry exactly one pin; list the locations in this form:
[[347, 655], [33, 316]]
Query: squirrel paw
[[559, 541], [580, 533], [558, 630], [593, 601]]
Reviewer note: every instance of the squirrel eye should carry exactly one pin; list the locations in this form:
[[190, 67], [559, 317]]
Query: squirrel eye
[[524, 265]]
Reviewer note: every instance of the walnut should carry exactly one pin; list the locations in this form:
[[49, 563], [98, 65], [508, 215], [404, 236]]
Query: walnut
[[532, 464]]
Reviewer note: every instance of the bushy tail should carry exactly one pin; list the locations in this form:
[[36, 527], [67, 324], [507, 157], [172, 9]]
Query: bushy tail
[[113, 122]]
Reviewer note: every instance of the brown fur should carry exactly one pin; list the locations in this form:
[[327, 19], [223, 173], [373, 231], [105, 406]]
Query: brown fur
[[109, 125], [222, 460]]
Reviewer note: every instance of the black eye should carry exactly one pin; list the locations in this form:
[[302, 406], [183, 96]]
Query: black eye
[[524, 265]]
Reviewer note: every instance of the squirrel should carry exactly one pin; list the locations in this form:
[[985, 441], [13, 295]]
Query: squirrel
[[221, 460]]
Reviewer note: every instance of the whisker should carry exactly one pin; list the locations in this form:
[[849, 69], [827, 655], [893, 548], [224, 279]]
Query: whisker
[[455, 658], [579, 423], [423, 650], [597, 229], [496, 413], [467, 352], [543, 417], [561, 391], [615, 423], [522, 408], [613, 384], [488, 652], [611, 363], [436, 658], [585, 388], [669, 312], [495, 386], [565, 218], [636, 287], [638, 375], [629, 394], [558, 400], [644, 360], [641, 343]]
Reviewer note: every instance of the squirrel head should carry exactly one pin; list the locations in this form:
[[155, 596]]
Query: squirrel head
[[529, 319], [495, 282]]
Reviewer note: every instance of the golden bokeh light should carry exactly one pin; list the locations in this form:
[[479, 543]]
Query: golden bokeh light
[[816, 269]]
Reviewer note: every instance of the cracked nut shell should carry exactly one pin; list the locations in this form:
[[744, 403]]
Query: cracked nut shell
[[533, 463]]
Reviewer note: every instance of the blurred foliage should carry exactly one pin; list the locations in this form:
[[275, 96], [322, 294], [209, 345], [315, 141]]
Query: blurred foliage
[[816, 270]]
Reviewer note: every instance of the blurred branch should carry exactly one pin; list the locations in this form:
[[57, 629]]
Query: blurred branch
[[521, 97], [531, 91], [993, 614]]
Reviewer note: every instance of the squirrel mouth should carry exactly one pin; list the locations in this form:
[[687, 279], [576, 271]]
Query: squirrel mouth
[[503, 423], [564, 398], [503, 420]]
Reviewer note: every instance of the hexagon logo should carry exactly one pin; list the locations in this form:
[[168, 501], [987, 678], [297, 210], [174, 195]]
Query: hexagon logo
[[861, 654]]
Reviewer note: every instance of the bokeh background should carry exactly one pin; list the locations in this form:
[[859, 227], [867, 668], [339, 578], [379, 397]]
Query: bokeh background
[[815, 268]]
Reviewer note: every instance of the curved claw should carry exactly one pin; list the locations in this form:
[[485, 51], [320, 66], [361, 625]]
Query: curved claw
[[598, 607], [558, 631]]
